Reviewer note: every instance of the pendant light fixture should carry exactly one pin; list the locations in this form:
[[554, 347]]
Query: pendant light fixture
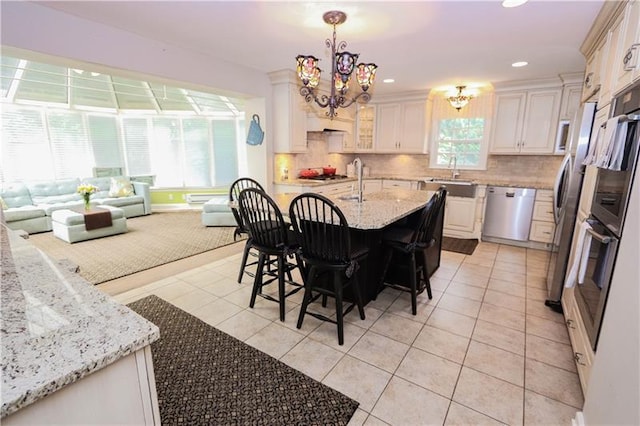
[[459, 100]]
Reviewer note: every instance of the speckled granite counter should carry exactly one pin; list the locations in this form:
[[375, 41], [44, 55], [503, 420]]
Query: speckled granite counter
[[55, 327], [377, 211]]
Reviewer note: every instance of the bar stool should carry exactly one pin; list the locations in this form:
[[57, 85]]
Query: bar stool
[[271, 237], [407, 246], [330, 259], [234, 191]]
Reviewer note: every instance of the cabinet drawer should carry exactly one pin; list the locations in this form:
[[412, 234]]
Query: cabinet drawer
[[391, 184], [543, 211], [582, 352], [544, 195], [541, 231]]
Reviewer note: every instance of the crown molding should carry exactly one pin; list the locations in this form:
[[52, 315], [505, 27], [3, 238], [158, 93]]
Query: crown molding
[[608, 13]]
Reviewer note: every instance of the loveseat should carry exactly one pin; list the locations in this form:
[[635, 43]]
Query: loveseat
[[28, 206]]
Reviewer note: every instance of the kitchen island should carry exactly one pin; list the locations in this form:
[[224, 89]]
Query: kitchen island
[[70, 354], [367, 221]]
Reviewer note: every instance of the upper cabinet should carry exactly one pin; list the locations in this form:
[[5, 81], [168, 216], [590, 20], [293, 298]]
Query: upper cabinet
[[525, 121], [592, 82], [289, 114], [627, 65], [400, 127], [365, 128], [609, 61]]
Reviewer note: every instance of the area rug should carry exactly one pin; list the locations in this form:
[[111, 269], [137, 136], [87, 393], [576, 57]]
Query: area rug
[[152, 240], [459, 245], [206, 377]]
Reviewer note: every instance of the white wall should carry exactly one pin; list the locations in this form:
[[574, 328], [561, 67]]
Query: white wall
[[35, 30], [613, 396]]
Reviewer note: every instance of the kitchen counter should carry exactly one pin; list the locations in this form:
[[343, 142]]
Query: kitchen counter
[[56, 328], [377, 211]]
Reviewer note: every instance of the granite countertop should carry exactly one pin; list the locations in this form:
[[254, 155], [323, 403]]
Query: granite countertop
[[55, 327], [377, 211]]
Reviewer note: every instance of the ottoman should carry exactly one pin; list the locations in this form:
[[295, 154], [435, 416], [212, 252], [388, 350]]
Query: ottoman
[[69, 225], [216, 212]]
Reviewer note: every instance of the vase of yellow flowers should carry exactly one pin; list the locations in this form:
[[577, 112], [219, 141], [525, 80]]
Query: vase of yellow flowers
[[86, 190]]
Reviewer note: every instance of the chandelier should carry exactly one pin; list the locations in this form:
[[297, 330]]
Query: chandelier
[[459, 100], [342, 66]]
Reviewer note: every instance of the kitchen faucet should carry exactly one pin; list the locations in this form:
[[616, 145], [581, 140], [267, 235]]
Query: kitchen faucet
[[357, 163], [454, 172]]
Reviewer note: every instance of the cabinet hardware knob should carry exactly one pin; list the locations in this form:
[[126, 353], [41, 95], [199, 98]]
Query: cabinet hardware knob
[[578, 358], [570, 324], [587, 80]]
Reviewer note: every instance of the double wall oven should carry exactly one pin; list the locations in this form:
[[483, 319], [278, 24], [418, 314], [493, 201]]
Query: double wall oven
[[608, 211]]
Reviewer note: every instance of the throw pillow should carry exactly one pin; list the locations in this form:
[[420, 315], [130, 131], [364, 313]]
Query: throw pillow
[[120, 187]]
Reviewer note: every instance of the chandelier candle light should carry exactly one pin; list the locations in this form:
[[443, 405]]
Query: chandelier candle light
[[459, 100], [342, 66]]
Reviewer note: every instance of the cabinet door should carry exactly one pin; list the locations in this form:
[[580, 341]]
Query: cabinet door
[[507, 123], [388, 128], [571, 95], [290, 119], [608, 66], [628, 61], [365, 122], [541, 118], [369, 186], [459, 214], [541, 232], [392, 184], [413, 127]]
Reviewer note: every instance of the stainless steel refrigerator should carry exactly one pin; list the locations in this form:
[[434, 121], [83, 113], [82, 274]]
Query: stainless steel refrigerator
[[566, 195]]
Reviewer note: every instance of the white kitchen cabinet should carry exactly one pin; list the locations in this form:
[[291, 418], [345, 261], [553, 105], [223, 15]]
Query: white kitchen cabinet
[[400, 127], [336, 189], [627, 65], [460, 214], [593, 73], [525, 122], [571, 94], [290, 114], [610, 61], [402, 184], [370, 185], [365, 128], [340, 142], [542, 221]]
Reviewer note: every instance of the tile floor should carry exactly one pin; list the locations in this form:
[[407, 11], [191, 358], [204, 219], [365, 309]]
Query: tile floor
[[484, 350]]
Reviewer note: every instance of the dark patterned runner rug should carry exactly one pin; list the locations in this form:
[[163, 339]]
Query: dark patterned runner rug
[[459, 245], [206, 377]]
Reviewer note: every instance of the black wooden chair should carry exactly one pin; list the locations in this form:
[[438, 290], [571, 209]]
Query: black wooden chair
[[330, 258], [272, 238], [407, 246], [234, 191]]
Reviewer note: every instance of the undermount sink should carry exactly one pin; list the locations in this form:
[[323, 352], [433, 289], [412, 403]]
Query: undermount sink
[[455, 188]]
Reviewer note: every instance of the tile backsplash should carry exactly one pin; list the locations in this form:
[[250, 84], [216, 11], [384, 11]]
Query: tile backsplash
[[501, 169]]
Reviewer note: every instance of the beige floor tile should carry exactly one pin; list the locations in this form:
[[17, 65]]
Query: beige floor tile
[[490, 396], [539, 309], [445, 273], [202, 277], [552, 353], [537, 271], [309, 323], [359, 418], [125, 299], [502, 316], [379, 351], [501, 337], [193, 300], [171, 292], [470, 278], [452, 258], [404, 403], [518, 258], [536, 254], [548, 329], [162, 283], [459, 415], [460, 305], [495, 362], [540, 410], [358, 380], [553, 382], [539, 282], [240, 297], [452, 322], [312, 358], [485, 248], [374, 421], [424, 306], [217, 311], [513, 289], [538, 294], [429, 371], [442, 343], [510, 276], [439, 284], [327, 333], [270, 310], [384, 299], [465, 290], [221, 287], [504, 300], [480, 259], [243, 325], [371, 315], [510, 267], [479, 270], [275, 340], [398, 328]]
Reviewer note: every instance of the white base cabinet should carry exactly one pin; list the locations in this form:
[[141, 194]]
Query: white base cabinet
[[121, 393], [542, 221], [583, 355]]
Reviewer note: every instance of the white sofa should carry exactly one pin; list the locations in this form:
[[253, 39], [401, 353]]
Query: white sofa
[[28, 206]]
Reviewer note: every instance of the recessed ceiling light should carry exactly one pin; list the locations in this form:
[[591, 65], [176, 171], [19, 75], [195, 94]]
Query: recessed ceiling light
[[520, 64], [513, 3], [388, 80]]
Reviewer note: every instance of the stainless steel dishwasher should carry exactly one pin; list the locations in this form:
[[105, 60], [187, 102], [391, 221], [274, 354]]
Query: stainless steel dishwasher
[[508, 213]]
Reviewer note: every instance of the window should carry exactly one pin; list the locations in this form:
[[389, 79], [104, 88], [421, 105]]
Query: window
[[60, 123], [463, 135]]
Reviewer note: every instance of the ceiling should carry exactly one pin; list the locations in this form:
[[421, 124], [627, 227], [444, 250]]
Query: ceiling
[[421, 44]]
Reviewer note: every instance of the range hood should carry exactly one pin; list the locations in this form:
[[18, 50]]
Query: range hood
[[316, 123]]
